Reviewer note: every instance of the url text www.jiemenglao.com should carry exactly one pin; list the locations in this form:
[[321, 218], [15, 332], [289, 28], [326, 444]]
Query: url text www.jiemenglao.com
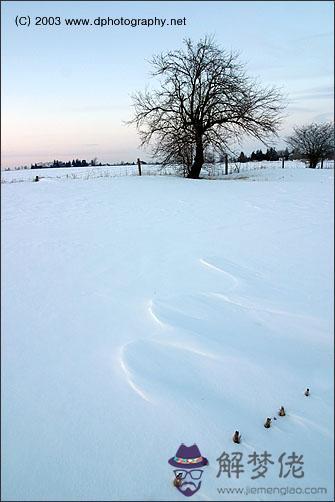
[[273, 490]]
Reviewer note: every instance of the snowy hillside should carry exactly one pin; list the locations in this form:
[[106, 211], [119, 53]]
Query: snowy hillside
[[142, 313]]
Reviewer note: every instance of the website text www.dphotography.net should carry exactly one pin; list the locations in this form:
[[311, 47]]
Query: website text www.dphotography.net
[[27, 20]]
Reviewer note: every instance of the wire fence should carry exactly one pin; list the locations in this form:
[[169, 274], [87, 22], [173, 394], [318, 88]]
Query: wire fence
[[219, 170], [209, 171]]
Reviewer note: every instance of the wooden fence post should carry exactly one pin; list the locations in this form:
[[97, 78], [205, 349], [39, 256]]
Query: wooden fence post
[[283, 162], [226, 164], [139, 167]]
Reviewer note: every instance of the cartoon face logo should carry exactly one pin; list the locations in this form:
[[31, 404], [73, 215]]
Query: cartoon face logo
[[187, 463]]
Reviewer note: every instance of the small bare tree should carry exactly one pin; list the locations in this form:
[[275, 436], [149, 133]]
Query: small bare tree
[[313, 142], [204, 98]]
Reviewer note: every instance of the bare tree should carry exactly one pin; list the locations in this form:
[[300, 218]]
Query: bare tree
[[204, 98], [313, 142]]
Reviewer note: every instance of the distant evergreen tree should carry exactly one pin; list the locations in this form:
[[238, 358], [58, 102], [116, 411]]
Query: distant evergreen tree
[[259, 155], [253, 157], [283, 154], [271, 154], [242, 158]]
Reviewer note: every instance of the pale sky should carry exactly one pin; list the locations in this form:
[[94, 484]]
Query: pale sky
[[66, 90]]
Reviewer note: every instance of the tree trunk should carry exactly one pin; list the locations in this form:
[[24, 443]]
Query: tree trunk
[[198, 160], [313, 162]]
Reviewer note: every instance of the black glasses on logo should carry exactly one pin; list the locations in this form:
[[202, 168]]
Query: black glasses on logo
[[182, 473]]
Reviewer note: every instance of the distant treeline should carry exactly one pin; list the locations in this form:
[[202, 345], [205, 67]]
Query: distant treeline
[[78, 163], [271, 154]]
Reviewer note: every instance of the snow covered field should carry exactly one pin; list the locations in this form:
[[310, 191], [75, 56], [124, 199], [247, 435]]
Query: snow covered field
[[88, 173], [141, 313]]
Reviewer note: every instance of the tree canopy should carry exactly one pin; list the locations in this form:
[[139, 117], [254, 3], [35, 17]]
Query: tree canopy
[[313, 142], [204, 98]]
